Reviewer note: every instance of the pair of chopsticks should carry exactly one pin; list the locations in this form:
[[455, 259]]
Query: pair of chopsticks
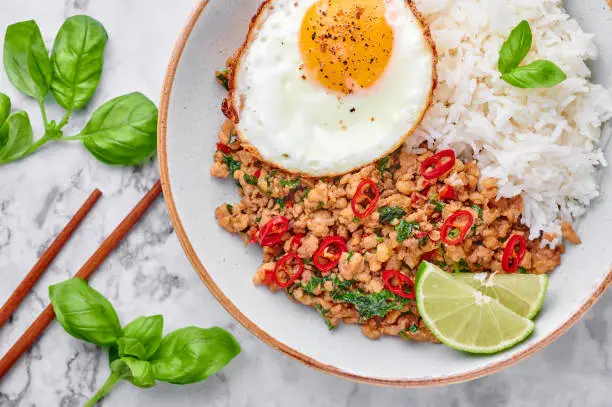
[[45, 318]]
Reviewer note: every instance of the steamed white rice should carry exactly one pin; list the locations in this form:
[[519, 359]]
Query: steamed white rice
[[543, 144]]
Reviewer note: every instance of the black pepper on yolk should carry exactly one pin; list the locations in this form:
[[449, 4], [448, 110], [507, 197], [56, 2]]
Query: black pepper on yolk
[[346, 44]]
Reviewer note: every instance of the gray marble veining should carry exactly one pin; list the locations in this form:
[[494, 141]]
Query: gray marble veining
[[149, 272]]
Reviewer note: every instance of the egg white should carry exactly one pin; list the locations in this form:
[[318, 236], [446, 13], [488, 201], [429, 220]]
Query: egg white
[[303, 127]]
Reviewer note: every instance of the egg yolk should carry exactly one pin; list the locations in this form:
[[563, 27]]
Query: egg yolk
[[346, 44]]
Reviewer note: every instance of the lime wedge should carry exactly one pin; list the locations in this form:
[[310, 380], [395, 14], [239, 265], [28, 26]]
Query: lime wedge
[[522, 293], [464, 318]]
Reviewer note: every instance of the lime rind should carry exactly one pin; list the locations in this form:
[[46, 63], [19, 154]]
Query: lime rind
[[483, 310]]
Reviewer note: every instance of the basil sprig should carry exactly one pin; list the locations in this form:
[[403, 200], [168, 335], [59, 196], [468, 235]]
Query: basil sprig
[[138, 352], [538, 74], [121, 132]]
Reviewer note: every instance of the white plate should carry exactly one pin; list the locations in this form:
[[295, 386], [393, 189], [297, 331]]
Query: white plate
[[190, 118]]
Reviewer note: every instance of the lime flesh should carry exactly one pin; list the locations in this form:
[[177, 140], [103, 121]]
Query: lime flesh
[[522, 293], [464, 318]]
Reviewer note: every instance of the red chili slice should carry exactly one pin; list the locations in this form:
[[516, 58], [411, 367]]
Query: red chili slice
[[453, 234], [269, 278], [283, 265], [431, 255], [253, 236], [395, 282], [435, 166], [447, 193], [361, 195], [324, 258], [224, 148], [296, 241], [273, 231], [257, 173], [512, 257]]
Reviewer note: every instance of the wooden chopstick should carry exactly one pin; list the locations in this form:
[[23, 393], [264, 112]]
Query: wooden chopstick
[[111, 242], [47, 257]]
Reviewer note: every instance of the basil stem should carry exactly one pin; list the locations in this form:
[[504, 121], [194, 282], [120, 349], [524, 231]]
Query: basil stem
[[106, 388]]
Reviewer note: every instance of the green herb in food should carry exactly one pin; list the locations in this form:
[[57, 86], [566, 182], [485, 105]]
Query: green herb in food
[[323, 313], [280, 202], [313, 284], [462, 267], [423, 241], [413, 328], [222, 76], [438, 206], [388, 213], [403, 334], [307, 261], [355, 219], [229, 208], [270, 175], [121, 132], [320, 205], [350, 255], [250, 179], [139, 353], [383, 165], [305, 194], [370, 305], [233, 164], [404, 229], [538, 74], [478, 210], [294, 183], [522, 270], [380, 239]]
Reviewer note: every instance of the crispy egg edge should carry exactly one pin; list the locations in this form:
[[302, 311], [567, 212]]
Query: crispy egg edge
[[231, 111]]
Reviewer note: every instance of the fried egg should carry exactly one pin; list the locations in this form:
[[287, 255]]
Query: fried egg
[[322, 87]]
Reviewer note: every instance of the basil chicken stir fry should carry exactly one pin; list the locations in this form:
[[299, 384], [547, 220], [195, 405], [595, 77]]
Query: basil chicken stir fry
[[138, 352], [122, 131]]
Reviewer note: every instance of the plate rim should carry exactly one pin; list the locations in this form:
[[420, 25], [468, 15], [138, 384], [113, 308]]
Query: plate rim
[[229, 306]]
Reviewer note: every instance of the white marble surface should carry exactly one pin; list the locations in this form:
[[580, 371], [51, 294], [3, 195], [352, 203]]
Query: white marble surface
[[149, 273]]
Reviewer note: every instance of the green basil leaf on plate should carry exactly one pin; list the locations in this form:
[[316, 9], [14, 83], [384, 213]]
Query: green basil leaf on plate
[[138, 372], [77, 60], [191, 354], [538, 74], [141, 337], [123, 131], [26, 59], [16, 137], [516, 47], [84, 313]]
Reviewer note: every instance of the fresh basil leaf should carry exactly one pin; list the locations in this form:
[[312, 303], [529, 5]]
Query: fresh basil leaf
[[5, 111], [538, 74], [26, 59], [3, 137], [84, 313], [77, 60], [5, 108], [189, 355], [141, 337], [123, 131], [516, 48], [15, 137], [138, 372]]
